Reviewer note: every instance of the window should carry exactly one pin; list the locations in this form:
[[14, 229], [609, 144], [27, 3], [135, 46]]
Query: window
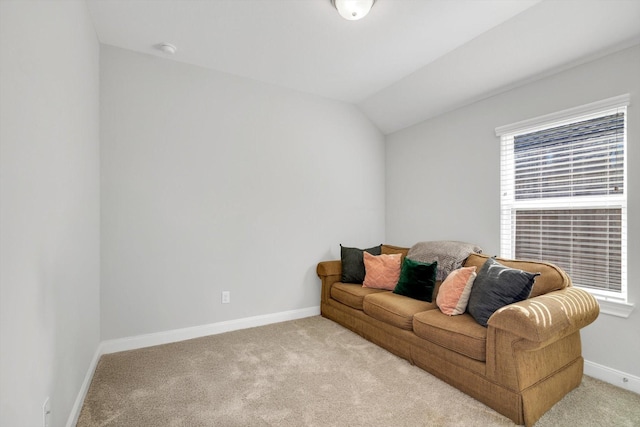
[[564, 195]]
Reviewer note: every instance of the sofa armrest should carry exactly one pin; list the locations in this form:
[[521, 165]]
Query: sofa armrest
[[547, 317], [329, 272], [329, 268]]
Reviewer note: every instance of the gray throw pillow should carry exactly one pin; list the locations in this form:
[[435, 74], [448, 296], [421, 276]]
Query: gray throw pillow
[[496, 286], [353, 263]]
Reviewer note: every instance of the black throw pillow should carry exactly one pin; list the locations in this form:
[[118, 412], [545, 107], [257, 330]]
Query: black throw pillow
[[353, 263], [496, 286]]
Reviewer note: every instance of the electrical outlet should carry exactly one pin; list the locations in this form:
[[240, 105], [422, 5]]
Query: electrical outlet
[[46, 413], [226, 297]]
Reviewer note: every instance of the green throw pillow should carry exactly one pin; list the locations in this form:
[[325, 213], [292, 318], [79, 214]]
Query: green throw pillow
[[353, 263], [417, 280], [497, 285]]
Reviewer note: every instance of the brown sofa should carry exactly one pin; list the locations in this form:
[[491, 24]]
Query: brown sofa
[[524, 362]]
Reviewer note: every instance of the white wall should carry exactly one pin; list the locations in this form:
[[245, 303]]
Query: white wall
[[443, 179], [212, 182], [49, 207]]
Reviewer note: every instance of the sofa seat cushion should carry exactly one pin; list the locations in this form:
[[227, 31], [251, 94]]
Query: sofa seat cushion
[[352, 294], [394, 309], [461, 334]]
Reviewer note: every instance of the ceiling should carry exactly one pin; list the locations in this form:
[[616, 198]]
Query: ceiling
[[408, 60]]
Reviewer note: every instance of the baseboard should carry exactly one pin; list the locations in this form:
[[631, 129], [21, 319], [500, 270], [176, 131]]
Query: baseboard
[[612, 376], [165, 337], [84, 388], [148, 340]]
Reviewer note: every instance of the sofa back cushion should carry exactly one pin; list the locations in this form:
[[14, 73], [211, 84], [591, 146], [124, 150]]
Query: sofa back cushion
[[552, 278], [390, 250]]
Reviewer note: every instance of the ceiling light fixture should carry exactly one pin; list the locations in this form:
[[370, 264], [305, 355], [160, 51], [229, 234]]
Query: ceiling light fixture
[[353, 9], [168, 48]]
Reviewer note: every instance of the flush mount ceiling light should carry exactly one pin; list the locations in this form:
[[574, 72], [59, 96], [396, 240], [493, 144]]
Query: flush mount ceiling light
[[353, 9], [167, 48]]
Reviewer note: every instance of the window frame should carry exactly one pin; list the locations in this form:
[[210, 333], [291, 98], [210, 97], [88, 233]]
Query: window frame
[[508, 202]]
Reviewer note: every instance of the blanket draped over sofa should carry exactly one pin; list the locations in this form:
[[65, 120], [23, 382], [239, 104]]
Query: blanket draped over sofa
[[524, 361]]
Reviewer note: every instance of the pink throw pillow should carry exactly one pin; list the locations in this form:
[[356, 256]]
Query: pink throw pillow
[[454, 292], [381, 271]]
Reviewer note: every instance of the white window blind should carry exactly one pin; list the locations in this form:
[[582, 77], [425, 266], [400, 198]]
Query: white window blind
[[563, 194]]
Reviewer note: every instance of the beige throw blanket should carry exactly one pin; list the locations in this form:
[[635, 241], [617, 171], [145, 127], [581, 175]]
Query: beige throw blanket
[[450, 255]]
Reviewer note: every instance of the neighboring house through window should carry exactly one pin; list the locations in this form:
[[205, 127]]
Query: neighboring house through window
[[564, 194]]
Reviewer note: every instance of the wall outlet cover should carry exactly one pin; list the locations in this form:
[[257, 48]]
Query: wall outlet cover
[[226, 297]]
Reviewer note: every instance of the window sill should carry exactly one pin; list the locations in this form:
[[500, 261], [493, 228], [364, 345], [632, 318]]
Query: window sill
[[615, 308]]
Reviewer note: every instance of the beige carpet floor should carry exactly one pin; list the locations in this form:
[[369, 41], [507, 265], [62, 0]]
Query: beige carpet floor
[[307, 372]]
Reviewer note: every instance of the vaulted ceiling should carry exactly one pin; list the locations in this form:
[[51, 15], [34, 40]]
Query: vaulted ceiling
[[407, 61]]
